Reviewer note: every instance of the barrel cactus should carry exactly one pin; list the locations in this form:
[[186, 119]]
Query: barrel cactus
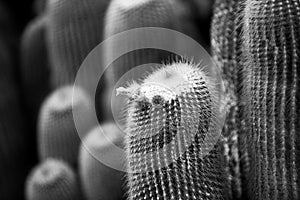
[[75, 28], [170, 152], [52, 179], [35, 65], [272, 41], [57, 134], [99, 180]]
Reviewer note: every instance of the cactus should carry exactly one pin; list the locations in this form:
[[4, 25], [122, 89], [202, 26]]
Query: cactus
[[169, 115], [98, 180], [272, 40], [52, 179], [35, 65], [75, 28], [57, 134], [227, 48]]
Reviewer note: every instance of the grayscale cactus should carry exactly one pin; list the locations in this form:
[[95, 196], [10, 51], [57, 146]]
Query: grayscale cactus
[[57, 134], [75, 28], [52, 179], [170, 115], [98, 180], [227, 49], [272, 41], [35, 65]]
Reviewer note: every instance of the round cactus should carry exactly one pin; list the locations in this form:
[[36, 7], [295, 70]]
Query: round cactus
[[75, 28], [52, 179], [58, 136], [98, 180], [171, 153]]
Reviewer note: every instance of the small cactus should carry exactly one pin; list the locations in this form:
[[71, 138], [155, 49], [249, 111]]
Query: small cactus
[[57, 134], [170, 113], [75, 28], [34, 65], [272, 41], [52, 179], [98, 180]]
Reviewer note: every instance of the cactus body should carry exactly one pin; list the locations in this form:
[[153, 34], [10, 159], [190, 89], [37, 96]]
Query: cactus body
[[52, 179], [227, 48], [98, 180], [169, 116], [58, 137], [75, 28], [35, 65], [272, 40]]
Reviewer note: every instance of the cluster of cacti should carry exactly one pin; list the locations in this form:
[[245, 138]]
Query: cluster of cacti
[[97, 179], [52, 179], [74, 29], [35, 65], [170, 115], [57, 134], [272, 42]]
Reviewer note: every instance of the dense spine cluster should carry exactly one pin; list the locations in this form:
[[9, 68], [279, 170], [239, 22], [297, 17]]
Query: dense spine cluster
[[100, 181], [75, 28], [52, 179], [57, 134], [272, 40], [227, 48], [170, 115]]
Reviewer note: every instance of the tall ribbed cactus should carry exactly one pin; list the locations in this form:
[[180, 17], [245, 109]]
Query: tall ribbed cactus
[[227, 48], [169, 116], [34, 65], [75, 28], [57, 134], [98, 180], [52, 179], [272, 40]]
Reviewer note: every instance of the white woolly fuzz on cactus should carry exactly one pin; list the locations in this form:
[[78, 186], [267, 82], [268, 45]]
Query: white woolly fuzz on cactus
[[58, 136], [171, 135], [52, 179], [99, 180]]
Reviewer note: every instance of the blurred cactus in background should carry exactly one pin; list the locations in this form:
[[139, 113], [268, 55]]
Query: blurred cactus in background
[[272, 41], [170, 152], [227, 48], [98, 180], [35, 65], [52, 180], [75, 28], [58, 137]]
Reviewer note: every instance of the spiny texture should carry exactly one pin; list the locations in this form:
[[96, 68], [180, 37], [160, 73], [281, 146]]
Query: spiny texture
[[171, 121], [272, 38], [98, 180], [34, 65], [58, 136], [52, 179], [75, 28], [227, 48]]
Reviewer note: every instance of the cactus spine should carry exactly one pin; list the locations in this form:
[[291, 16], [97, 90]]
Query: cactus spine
[[52, 179], [58, 136], [75, 28], [227, 52], [169, 115], [99, 180], [272, 40]]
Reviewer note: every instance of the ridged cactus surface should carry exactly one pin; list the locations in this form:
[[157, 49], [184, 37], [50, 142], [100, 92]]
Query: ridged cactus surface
[[75, 28], [272, 40], [100, 181], [170, 113], [50, 180], [57, 134], [35, 65], [227, 50]]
